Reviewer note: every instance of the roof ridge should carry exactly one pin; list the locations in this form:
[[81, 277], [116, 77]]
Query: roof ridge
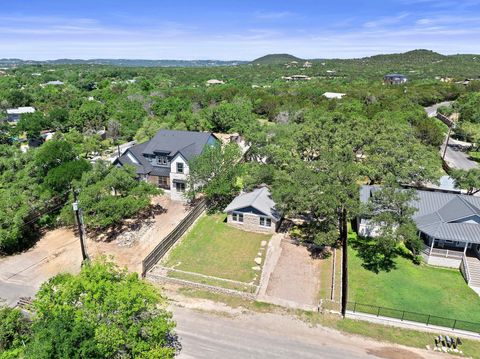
[[260, 190], [469, 205]]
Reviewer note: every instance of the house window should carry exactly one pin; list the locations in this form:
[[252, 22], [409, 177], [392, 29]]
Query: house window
[[180, 186], [162, 160], [237, 217], [179, 167], [265, 222], [163, 182]]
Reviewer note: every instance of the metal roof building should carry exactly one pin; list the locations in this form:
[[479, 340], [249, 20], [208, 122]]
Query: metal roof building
[[447, 217]]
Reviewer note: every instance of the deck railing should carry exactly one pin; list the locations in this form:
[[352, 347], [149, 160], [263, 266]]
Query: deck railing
[[464, 268], [443, 253]]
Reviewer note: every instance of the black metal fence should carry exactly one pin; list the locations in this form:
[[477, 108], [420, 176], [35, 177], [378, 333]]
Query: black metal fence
[[162, 248], [427, 319]]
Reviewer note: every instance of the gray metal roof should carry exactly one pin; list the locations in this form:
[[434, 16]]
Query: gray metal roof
[[142, 166], [260, 199], [442, 215], [171, 142]]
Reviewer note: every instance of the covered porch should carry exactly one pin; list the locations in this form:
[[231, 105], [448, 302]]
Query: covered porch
[[447, 253]]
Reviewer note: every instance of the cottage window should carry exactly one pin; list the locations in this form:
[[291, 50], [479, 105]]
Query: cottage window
[[179, 167], [237, 217], [265, 222], [180, 186]]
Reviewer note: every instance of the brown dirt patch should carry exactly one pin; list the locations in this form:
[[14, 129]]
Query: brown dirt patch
[[131, 256], [296, 276], [394, 353]]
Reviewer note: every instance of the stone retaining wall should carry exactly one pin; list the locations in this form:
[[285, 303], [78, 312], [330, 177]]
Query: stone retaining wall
[[164, 279]]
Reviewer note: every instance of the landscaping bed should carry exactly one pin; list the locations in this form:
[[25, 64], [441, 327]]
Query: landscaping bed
[[213, 248]]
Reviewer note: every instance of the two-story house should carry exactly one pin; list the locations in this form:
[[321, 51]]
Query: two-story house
[[164, 159]]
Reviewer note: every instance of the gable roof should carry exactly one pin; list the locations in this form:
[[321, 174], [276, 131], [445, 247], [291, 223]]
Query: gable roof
[[440, 214], [187, 143], [171, 142], [259, 198], [133, 157]]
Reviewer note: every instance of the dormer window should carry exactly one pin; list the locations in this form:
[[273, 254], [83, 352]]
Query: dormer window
[[179, 167], [162, 160]]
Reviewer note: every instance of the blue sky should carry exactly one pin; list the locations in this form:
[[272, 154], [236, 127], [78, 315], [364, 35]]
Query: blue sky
[[235, 29]]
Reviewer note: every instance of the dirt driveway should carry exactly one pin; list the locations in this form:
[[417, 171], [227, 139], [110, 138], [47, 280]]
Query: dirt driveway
[[22, 274], [131, 255], [296, 276], [59, 251]]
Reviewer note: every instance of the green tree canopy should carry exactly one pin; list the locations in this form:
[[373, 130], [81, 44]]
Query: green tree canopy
[[103, 312], [215, 173]]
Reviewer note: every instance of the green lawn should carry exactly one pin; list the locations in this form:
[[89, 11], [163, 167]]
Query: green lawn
[[474, 155], [421, 289], [214, 248]]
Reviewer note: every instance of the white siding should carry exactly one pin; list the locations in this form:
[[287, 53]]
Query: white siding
[[174, 175]]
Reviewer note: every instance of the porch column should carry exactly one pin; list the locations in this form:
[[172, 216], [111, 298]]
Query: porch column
[[465, 249], [431, 247]]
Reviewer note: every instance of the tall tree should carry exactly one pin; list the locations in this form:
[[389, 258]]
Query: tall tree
[[103, 312], [469, 180], [215, 173]]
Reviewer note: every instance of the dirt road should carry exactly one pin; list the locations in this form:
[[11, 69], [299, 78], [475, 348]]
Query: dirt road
[[59, 251], [241, 334], [22, 274]]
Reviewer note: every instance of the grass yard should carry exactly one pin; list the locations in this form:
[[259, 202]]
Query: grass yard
[[474, 155], [214, 248], [415, 288]]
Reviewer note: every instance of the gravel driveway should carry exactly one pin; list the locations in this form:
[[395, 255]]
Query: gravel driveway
[[296, 277]]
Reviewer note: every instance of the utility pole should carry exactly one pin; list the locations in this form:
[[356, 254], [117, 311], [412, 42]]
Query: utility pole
[[79, 220], [344, 233]]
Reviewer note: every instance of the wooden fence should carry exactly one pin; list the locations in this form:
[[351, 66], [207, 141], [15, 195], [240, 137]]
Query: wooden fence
[[162, 248]]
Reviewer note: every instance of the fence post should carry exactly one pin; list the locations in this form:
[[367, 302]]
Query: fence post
[[403, 315], [428, 320], [354, 306], [378, 312], [454, 324]]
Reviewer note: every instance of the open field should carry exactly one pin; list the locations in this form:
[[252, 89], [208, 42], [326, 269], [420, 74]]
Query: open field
[[415, 288], [213, 248]]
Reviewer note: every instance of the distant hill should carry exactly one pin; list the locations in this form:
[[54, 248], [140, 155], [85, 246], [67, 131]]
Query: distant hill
[[123, 62], [275, 59], [409, 56]]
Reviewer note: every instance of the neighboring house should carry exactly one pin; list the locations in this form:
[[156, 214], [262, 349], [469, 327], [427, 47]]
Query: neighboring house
[[394, 79], [448, 223], [214, 82], [254, 211], [332, 95], [297, 78], [53, 83], [164, 159], [15, 114]]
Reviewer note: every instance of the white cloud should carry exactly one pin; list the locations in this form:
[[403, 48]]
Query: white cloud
[[273, 15]]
